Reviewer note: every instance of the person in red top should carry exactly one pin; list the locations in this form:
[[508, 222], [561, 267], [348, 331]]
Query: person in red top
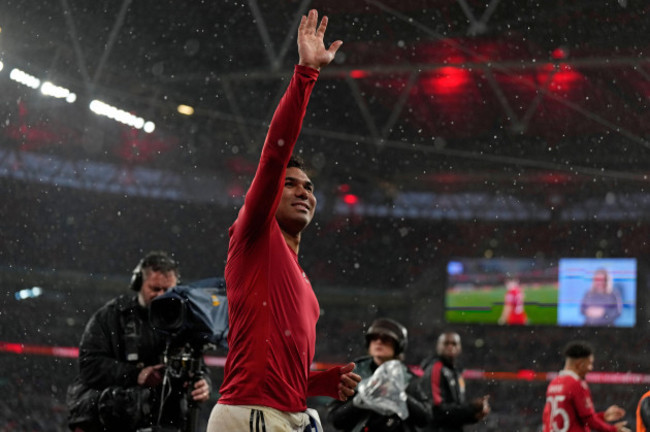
[[272, 307], [513, 312], [569, 407]]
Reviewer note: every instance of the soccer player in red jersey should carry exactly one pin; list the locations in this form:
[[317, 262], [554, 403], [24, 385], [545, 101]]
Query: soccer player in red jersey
[[272, 307], [569, 407], [513, 307]]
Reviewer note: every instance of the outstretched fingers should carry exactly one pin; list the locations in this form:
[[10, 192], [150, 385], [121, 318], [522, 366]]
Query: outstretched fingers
[[334, 47], [311, 21], [322, 27], [303, 25]]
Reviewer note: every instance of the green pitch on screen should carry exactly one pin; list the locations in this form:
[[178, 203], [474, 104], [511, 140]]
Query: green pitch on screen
[[484, 306]]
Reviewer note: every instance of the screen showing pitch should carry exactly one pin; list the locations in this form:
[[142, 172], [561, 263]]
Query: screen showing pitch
[[520, 291]]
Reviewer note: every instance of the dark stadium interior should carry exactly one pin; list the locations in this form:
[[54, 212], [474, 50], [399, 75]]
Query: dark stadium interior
[[443, 129]]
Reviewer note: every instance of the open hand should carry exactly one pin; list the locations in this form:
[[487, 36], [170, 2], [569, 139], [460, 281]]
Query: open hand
[[311, 47], [614, 413]]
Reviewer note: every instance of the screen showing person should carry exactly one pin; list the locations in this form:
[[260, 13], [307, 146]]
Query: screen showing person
[[597, 292]]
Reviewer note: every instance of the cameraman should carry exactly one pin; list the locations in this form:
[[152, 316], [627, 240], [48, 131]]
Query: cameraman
[[121, 370]]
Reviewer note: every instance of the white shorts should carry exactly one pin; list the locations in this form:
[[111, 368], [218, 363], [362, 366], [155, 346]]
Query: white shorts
[[255, 418]]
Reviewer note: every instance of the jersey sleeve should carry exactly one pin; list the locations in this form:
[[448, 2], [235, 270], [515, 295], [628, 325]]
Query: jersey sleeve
[[586, 412], [324, 383], [597, 424], [263, 196]]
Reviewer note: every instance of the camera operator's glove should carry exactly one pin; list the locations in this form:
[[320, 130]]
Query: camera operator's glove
[[151, 376]]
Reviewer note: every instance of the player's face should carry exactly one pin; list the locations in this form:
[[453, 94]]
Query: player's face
[[585, 365], [449, 345], [298, 203], [381, 348], [155, 284]]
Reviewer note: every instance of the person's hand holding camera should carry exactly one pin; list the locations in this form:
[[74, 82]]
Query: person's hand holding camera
[[201, 391], [151, 376]]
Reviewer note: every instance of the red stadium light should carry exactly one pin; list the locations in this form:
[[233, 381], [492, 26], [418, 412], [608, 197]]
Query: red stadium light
[[13, 348], [350, 199], [562, 79], [559, 54], [526, 375], [447, 80], [358, 74]]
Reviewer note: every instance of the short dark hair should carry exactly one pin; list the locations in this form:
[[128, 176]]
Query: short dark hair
[[159, 261], [296, 162], [156, 261], [578, 350]]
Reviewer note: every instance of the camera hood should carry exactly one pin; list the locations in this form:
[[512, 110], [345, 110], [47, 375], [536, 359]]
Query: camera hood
[[195, 313]]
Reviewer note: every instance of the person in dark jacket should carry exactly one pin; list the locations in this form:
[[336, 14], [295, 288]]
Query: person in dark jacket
[[443, 386], [121, 369], [386, 340]]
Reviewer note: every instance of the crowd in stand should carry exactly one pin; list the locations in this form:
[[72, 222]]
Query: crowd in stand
[[52, 228]]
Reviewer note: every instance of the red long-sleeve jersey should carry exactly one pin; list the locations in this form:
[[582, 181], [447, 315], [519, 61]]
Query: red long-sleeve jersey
[[569, 407], [272, 307]]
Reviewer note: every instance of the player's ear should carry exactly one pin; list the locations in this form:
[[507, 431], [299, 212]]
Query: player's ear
[[581, 363]]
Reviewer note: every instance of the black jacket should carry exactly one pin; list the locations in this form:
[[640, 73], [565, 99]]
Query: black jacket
[[117, 343], [349, 418], [443, 387]]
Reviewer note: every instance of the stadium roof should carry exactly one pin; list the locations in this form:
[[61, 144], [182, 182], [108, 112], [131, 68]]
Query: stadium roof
[[441, 94]]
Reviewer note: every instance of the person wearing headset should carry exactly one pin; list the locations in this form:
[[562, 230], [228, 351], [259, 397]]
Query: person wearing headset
[[121, 370]]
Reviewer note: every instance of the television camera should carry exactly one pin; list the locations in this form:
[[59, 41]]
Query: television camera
[[193, 317]]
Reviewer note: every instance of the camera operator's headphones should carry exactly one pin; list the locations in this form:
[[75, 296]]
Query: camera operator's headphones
[[157, 261]]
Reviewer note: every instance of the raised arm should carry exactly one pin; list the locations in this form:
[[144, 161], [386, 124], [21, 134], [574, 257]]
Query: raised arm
[[263, 196]]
